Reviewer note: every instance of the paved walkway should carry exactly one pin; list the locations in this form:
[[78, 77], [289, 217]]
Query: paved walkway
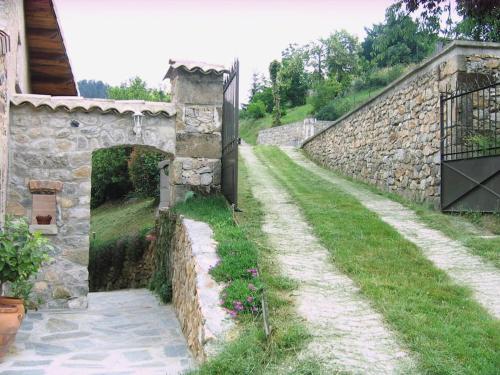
[[122, 332], [348, 335], [451, 256]]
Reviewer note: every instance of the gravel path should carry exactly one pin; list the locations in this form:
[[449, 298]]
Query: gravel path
[[348, 335], [451, 256], [122, 332]]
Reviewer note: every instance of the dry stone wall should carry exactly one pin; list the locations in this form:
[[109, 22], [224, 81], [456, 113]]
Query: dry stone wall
[[196, 295], [291, 134], [393, 141]]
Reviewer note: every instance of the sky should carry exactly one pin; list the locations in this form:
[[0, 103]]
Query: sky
[[113, 40]]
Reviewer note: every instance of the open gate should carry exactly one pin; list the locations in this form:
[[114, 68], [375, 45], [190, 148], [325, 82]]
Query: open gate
[[230, 135], [470, 150]]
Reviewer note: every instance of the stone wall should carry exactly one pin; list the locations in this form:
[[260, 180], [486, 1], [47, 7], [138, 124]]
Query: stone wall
[[393, 140], [44, 145], [291, 134], [196, 295], [13, 72]]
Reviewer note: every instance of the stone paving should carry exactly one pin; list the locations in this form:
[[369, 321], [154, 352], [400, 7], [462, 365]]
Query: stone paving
[[482, 277], [348, 335], [121, 332]]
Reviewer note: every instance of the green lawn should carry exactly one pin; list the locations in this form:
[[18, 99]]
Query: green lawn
[[438, 320], [249, 129], [468, 228], [242, 246], [114, 220]]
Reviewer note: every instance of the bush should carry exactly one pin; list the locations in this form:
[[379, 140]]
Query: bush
[[379, 78], [256, 110], [143, 171], [323, 93], [334, 109], [110, 179], [265, 96]]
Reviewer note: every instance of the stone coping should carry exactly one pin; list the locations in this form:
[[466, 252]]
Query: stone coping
[[452, 49], [194, 66], [76, 103]]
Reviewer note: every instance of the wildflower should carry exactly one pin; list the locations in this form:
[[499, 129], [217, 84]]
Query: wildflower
[[232, 313], [238, 306], [252, 287], [250, 299], [253, 271], [254, 309]]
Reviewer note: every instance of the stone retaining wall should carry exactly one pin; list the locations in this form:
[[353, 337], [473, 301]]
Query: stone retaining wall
[[291, 134], [195, 294], [393, 140]]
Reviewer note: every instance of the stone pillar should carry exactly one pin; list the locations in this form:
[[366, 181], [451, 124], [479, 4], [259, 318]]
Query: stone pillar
[[197, 90], [164, 184]]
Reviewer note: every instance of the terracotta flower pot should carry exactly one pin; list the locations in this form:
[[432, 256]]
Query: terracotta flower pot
[[19, 302], [43, 220], [10, 321]]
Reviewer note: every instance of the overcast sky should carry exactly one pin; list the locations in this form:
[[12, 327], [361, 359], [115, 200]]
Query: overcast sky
[[113, 40]]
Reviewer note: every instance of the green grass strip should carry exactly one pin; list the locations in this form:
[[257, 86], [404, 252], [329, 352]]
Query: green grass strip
[[438, 320], [241, 247]]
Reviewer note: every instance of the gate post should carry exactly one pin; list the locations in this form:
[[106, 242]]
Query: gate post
[[197, 95]]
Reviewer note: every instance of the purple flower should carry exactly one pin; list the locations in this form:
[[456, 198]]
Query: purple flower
[[252, 287], [254, 309], [232, 313], [253, 271], [250, 299], [238, 306]]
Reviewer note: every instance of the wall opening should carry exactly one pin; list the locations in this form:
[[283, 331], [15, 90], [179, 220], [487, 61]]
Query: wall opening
[[125, 196]]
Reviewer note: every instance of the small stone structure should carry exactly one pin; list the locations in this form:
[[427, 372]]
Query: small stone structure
[[292, 134], [52, 139], [196, 295], [393, 140]]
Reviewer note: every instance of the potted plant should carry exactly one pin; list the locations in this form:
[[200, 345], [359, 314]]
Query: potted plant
[[21, 255]]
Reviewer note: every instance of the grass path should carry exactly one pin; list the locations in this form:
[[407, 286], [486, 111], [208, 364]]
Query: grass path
[[438, 319], [451, 256], [348, 335]]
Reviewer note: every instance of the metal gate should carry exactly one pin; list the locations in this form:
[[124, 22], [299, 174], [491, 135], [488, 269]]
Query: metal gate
[[230, 135], [470, 150]]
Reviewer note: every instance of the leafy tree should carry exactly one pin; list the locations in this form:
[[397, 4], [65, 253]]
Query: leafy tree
[[143, 171], [136, 89], [399, 40], [274, 68], [480, 18], [265, 95], [316, 53], [324, 92], [258, 84], [342, 56], [93, 89], [110, 178], [256, 110], [293, 80]]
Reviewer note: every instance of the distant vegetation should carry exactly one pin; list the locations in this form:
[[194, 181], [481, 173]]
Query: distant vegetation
[[134, 89], [336, 73]]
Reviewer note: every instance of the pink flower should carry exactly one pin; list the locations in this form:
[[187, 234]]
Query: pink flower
[[238, 306], [253, 271], [255, 309], [231, 313], [250, 299], [252, 287]]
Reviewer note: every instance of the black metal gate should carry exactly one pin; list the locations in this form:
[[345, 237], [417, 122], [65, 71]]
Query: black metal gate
[[470, 150], [230, 135]]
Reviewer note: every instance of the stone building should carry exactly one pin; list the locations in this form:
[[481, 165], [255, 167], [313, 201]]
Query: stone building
[[48, 134]]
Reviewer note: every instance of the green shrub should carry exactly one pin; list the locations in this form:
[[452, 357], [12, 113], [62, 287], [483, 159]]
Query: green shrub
[[143, 171], [334, 109], [256, 110], [110, 179], [324, 92], [107, 260], [379, 78], [265, 96]]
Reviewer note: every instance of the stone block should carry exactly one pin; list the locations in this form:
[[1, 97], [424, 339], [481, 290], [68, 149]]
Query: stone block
[[196, 88], [199, 145], [40, 186]]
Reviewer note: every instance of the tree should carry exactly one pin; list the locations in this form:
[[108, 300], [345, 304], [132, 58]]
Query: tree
[[399, 40], [480, 18], [93, 89], [293, 79], [342, 56], [274, 69], [136, 89], [317, 60], [258, 84]]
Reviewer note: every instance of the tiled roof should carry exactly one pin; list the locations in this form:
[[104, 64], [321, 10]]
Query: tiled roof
[[74, 103], [195, 66]]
